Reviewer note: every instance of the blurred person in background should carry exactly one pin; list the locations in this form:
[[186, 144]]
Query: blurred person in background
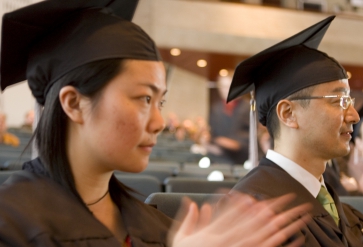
[[7, 138], [27, 125], [229, 126]]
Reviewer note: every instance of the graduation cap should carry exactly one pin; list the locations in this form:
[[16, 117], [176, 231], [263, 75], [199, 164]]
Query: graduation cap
[[286, 68], [44, 41]]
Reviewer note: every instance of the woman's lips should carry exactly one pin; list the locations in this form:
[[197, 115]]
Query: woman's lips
[[147, 147]]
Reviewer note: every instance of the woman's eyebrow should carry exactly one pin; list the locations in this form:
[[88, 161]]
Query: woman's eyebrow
[[154, 88]]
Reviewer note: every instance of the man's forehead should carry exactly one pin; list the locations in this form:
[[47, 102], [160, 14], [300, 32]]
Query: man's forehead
[[338, 86]]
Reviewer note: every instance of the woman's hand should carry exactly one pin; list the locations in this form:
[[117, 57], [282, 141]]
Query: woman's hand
[[241, 221]]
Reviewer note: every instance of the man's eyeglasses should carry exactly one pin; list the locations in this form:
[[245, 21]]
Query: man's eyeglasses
[[345, 100]]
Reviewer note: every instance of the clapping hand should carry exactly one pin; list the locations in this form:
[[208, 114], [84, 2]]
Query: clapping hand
[[240, 221]]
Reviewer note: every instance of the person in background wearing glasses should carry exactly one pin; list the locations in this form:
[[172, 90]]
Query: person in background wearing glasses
[[303, 98]]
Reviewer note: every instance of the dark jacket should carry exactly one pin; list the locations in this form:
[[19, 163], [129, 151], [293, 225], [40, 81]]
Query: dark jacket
[[332, 177], [234, 126], [36, 211], [268, 180]]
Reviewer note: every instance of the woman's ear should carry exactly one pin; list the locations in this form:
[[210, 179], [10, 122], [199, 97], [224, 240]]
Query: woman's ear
[[70, 100], [285, 112]]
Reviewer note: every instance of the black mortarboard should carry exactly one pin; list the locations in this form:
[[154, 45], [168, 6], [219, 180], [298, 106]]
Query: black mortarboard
[[286, 68], [44, 41]]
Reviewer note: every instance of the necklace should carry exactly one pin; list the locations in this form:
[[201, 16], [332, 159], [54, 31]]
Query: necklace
[[93, 203]]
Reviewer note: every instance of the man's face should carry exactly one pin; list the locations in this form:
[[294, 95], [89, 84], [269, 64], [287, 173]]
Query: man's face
[[325, 127]]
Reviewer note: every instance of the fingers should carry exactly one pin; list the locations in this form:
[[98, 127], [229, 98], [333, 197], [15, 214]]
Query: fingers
[[191, 219], [297, 242], [272, 211], [280, 220], [232, 205], [278, 204], [242, 221], [183, 209], [205, 216], [290, 226], [189, 215], [265, 223]]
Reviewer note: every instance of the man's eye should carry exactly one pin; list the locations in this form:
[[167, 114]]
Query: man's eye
[[148, 99], [336, 101]]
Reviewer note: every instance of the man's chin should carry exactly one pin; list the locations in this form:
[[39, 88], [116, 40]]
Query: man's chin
[[344, 152]]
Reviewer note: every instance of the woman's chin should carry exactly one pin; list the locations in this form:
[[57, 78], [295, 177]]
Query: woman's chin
[[136, 168]]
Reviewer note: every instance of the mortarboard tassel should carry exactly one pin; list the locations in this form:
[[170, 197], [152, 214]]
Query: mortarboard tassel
[[253, 151]]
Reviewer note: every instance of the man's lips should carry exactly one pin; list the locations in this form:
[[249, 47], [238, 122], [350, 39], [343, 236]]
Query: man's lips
[[347, 133]]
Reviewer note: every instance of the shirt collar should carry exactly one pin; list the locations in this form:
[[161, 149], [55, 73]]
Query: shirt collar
[[301, 175]]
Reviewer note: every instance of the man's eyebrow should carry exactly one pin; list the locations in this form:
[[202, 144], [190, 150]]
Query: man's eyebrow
[[341, 90], [155, 89]]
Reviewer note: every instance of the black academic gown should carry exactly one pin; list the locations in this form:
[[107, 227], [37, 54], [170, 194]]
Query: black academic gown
[[36, 211], [268, 180], [332, 177]]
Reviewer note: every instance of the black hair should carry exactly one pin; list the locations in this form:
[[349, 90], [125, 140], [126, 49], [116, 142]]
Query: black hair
[[273, 124], [50, 133]]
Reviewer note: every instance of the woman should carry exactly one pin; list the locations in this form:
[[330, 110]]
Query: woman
[[102, 83]]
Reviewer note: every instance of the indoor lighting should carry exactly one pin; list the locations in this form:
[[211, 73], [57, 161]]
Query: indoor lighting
[[223, 72], [215, 176], [204, 162], [175, 52], [201, 63]]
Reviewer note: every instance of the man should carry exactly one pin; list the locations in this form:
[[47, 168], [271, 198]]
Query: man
[[229, 126], [302, 96]]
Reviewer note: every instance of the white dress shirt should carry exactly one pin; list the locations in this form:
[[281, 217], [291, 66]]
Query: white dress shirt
[[301, 175]]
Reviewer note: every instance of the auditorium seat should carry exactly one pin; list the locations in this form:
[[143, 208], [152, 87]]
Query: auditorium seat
[[354, 201], [144, 184], [195, 185], [160, 173], [4, 175], [14, 164]]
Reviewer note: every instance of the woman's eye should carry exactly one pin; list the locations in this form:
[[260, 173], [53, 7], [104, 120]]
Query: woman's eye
[[148, 99], [162, 103]]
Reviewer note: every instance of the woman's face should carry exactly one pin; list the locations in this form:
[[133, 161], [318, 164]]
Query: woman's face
[[122, 127]]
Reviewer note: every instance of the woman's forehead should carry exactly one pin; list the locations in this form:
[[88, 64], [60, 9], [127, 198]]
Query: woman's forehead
[[136, 65], [148, 68], [143, 73]]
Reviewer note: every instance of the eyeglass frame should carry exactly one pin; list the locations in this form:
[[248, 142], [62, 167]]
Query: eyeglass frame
[[351, 101]]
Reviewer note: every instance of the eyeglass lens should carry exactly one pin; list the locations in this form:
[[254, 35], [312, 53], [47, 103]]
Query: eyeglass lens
[[346, 101]]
